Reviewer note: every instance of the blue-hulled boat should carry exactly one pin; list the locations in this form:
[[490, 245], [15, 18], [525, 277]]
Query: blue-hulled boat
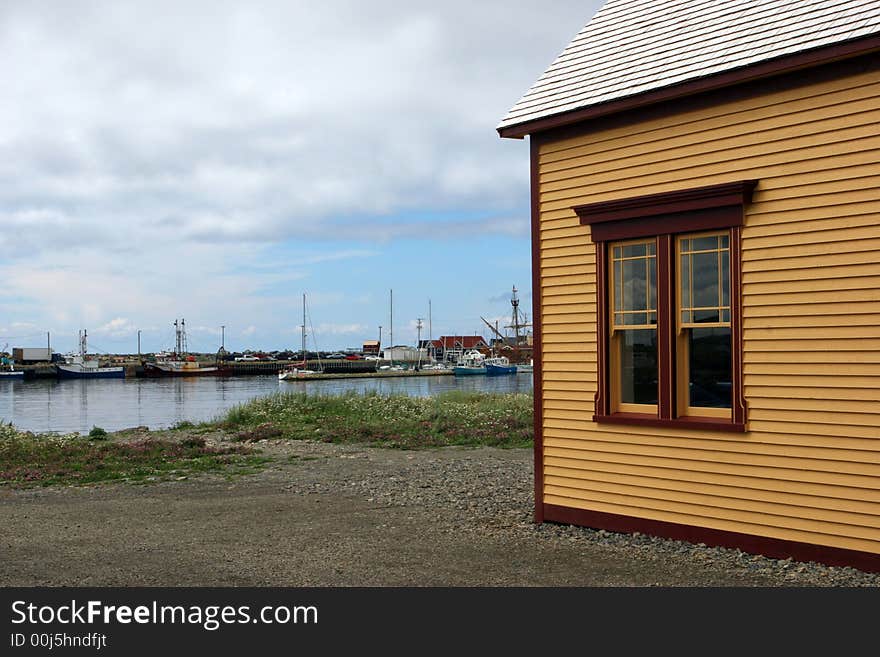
[[499, 366]]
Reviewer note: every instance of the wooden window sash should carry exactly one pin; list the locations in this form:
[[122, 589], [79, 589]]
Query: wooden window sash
[[665, 216]]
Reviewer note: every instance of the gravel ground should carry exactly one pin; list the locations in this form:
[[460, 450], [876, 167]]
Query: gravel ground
[[337, 515]]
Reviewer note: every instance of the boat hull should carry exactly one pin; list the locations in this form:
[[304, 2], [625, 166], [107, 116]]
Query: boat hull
[[500, 370], [74, 372], [12, 376], [158, 370], [460, 370]]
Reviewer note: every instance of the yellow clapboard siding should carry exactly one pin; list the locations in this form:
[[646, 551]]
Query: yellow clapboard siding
[[817, 356], [829, 343], [805, 384], [587, 170], [808, 466], [809, 507], [760, 226], [807, 275], [839, 529], [839, 311], [690, 149], [778, 472], [843, 338], [734, 120], [810, 285], [756, 527], [832, 407], [733, 451], [856, 156], [804, 236], [826, 496], [847, 325], [837, 96], [818, 392]]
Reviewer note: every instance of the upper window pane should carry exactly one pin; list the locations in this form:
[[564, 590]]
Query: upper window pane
[[634, 269], [704, 285]]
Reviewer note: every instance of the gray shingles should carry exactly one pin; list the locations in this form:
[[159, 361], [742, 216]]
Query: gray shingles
[[635, 46]]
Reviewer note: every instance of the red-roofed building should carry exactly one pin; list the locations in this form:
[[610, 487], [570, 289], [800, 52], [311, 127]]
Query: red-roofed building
[[448, 347]]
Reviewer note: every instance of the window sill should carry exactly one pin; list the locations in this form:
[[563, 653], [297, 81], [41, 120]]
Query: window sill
[[641, 419]]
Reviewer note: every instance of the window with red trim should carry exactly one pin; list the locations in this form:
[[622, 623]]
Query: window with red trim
[[670, 325]]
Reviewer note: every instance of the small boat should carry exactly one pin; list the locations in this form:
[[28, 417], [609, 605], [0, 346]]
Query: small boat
[[296, 371], [7, 367], [525, 369], [180, 363], [299, 371], [471, 363], [84, 366], [498, 366]]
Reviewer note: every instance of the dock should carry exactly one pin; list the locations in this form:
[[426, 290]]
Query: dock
[[330, 369]]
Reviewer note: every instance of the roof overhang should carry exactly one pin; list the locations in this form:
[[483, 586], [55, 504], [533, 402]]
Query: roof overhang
[[778, 66]]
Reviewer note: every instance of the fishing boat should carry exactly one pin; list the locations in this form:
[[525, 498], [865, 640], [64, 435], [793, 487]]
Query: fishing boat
[[471, 362], [7, 367], [300, 370], [498, 366], [181, 363], [83, 366]]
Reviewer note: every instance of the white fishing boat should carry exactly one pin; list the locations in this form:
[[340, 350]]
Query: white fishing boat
[[84, 366], [471, 363]]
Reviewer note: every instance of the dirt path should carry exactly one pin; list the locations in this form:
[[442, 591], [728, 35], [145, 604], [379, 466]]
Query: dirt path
[[328, 515]]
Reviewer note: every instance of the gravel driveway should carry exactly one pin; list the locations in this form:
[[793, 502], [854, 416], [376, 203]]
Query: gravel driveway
[[336, 515]]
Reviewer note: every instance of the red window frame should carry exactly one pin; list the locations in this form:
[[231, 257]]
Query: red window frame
[[665, 216]]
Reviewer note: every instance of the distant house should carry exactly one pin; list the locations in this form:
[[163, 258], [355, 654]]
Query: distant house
[[371, 347], [706, 267], [449, 347]]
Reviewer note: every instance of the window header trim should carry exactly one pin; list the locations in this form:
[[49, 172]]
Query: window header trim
[[689, 210]]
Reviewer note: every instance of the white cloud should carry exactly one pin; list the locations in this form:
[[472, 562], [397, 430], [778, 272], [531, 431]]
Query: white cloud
[[154, 154]]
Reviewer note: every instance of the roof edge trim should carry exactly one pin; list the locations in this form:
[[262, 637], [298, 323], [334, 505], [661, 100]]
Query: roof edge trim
[[777, 66]]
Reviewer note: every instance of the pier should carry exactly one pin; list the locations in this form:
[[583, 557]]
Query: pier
[[328, 369]]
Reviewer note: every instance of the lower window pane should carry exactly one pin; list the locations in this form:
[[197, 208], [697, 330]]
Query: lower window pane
[[638, 364], [710, 384]]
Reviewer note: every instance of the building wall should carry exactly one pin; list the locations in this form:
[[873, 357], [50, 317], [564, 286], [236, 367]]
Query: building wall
[[808, 468]]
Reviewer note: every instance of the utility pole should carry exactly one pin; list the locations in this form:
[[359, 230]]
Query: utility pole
[[419, 344], [139, 344], [223, 338], [380, 337], [431, 333]]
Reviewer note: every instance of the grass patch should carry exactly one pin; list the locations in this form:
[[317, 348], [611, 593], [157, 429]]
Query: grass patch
[[454, 418], [28, 459]]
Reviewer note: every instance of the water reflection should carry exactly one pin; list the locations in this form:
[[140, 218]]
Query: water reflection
[[113, 404]]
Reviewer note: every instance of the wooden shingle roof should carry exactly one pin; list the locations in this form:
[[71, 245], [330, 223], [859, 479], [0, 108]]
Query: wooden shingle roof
[[634, 47]]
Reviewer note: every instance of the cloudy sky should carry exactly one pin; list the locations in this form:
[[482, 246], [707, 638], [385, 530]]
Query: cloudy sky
[[215, 161]]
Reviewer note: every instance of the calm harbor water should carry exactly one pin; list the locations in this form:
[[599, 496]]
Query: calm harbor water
[[113, 404]]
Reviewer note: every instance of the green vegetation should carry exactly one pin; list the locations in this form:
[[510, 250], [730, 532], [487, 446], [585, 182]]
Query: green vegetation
[[97, 433], [455, 418], [28, 459]]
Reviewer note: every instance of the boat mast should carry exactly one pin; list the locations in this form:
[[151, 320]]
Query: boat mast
[[304, 329], [83, 343], [391, 336]]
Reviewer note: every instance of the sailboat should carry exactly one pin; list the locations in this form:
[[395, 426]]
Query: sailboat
[[83, 366], [7, 367], [181, 363], [297, 371]]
